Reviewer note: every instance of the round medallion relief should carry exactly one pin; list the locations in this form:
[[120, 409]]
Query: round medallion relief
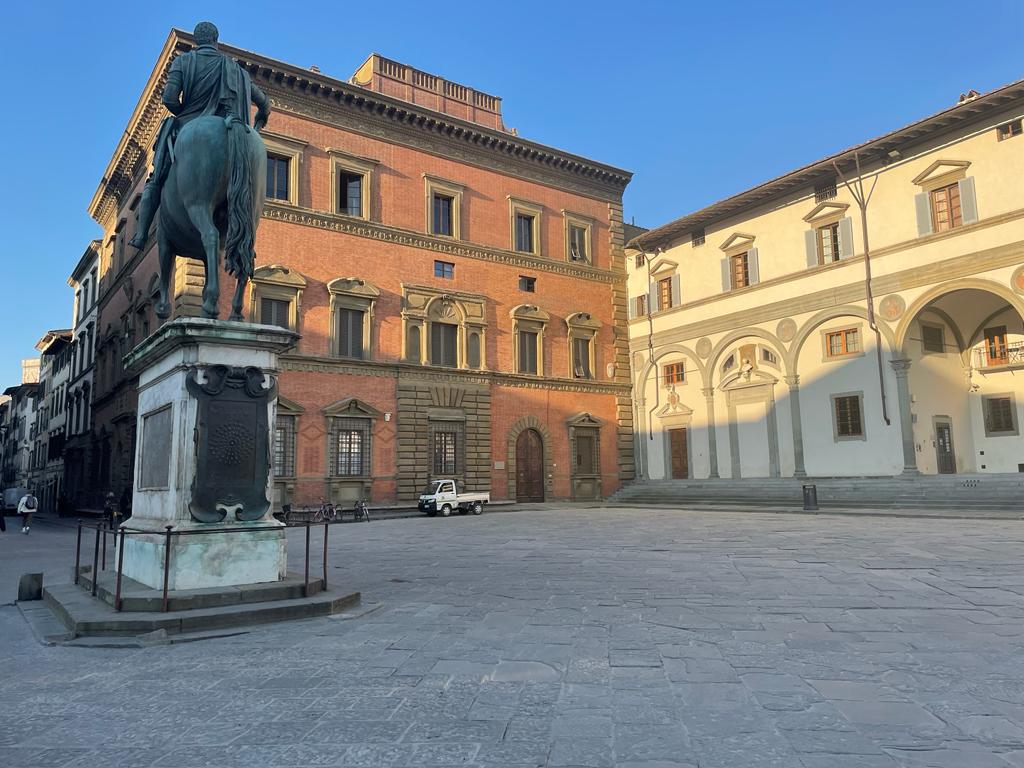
[[892, 307], [786, 329], [704, 347], [1017, 280]]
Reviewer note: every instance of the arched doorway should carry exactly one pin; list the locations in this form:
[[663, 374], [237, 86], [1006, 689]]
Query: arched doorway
[[529, 466]]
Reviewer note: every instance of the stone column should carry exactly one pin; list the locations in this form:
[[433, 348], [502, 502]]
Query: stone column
[[709, 397], [798, 433], [902, 369]]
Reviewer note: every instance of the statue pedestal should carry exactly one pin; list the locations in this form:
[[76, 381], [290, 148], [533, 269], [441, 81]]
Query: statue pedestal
[[206, 412]]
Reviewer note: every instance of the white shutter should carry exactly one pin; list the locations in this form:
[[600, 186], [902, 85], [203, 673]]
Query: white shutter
[[753, 270], [924, 213], [846, 238], [652, 299], [677, 294], [968, 201], [726, 276], [811, 247], [630, 308]]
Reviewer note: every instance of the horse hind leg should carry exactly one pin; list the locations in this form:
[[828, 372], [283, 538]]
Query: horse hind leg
[[237, 300], [166, 258], [202, 220]]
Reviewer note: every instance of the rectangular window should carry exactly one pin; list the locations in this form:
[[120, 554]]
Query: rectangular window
[[275, 312], [578, 243], [350, 332], [1009, 130], [586, 451], [849, 421], [442, 206], [768, 356], [946, 213], [999, 416], [842, 343], [527, 352], [641, 305], [444, 269], [665, 293], [284, 447], [524, 232], [933, 338], [740, 270], [995, 346], [828, 243], [675, 373], [446, 451], [443, 344], [581, 358], [351, 448], [277, 177], [350, 193], [639, 260], [697, 238], [528, 284], [825, 191]]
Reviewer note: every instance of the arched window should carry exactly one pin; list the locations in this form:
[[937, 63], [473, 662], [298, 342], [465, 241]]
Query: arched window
[[582, 335], [529, 322], [444, 329]]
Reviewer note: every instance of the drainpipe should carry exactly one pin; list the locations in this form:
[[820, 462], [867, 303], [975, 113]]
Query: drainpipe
[[650, 348]]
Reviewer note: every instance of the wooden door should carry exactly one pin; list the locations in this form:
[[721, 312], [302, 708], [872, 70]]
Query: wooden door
[[680, 456], [944, 448], [529, 466], [995, 345]]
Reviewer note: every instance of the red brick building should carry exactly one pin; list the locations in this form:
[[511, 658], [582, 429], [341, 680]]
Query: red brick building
[[460, 292]]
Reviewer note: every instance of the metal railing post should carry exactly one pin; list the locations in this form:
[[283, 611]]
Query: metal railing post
[[95, 562], [78, 551], [120, 568], [167, 565], [305, 588], [325, 555], [103, 557]]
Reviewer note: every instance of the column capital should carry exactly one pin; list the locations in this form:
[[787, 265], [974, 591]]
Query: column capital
[[901, 366], [709, 392], [793, 381]]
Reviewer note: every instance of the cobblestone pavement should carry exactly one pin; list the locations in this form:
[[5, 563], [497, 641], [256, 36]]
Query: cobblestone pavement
[[575, 637]]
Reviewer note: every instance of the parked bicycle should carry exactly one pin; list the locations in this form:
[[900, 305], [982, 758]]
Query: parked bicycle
[[326, 512], [361, 512]]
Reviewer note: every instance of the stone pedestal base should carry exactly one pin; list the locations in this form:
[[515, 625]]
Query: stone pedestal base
[[204, 560]]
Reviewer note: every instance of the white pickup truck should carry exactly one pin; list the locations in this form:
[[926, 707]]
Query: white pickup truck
[[441, 496]]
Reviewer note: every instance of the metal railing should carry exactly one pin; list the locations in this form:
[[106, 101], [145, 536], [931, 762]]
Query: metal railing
[[1006, 355], [103, 530]]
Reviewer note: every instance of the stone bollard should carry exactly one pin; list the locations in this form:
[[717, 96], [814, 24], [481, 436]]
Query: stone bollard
[[810, 498], [30, 587]]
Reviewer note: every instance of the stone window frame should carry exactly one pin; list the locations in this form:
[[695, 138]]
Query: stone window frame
[[584, 423], [582, 325], [436, 185], [350, 408], [359, 295], [532, 319], [1013, 414], [673, 372], [836, 437], [516, 206], [586, 223], [293, 150], [764, 355], [942, 330], [943, 173], [362, 166], [425, 305], [826, 357], [289, 410], [277, 282]]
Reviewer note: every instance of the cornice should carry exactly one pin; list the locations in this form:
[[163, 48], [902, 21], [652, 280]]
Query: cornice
[[382, 232], [335, 102], [405, 371]]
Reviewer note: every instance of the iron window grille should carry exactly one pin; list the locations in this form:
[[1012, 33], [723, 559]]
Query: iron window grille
[[350, 441]]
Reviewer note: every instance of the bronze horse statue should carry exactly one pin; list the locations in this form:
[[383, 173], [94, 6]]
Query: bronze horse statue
[[211, 202]]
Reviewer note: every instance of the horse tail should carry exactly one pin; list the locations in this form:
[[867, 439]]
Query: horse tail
[[239, 253]]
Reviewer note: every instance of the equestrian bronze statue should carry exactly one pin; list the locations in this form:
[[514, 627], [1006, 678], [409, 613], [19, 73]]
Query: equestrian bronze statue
[[209, 172]]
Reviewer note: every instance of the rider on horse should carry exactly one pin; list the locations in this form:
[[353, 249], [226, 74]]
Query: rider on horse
[[203, 81]]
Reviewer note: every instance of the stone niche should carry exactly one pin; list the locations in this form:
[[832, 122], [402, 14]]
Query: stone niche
[[207, 403]]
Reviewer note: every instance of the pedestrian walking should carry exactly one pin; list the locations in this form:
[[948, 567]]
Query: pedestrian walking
[[3, 515], [28, 504]]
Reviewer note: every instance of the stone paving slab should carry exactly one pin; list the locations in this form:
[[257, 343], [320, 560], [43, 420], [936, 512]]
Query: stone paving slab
[[568, 637]]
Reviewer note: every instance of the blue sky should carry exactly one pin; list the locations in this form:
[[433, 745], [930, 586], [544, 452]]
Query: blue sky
[[699, 100]]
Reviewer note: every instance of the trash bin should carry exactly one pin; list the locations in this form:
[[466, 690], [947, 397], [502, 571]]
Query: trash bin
[[810, 498]]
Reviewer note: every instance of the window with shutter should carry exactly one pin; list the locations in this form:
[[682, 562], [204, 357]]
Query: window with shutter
[[828, 243], [739, 270], [946, 212], [665, 293], [999, 416], [674, 373], [848, 417], [995, 346], [277, 177], [443, 344], [641, 305], [581, 358], [524, 233], [350, 193], [350, 332], [527, 352], [933, 338], [442, 214], [578, 243], [275, 312]]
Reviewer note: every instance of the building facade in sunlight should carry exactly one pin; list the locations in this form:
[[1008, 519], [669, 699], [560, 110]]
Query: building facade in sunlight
[[754, 352], [460, 292]]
